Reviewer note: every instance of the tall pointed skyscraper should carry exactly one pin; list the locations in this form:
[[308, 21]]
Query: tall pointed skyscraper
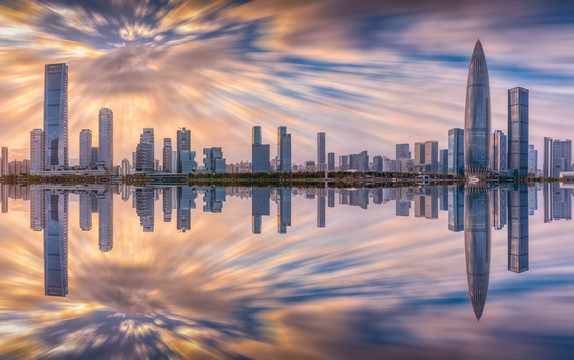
[[477, 121]]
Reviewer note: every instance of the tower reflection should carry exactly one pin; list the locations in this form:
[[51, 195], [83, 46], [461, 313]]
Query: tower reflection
[[477, 237]]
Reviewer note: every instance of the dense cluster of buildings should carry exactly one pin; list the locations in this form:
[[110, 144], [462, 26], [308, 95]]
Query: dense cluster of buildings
[[474, 151]]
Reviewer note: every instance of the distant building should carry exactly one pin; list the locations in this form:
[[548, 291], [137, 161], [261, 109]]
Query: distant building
[[359, 162], [331, 161], [343, 162], [4, 165], [443, 161], [167, 156], [56, 116], [456, 151], [402, 151], [426, 157], [518, 131], [321, 159], [498, 151], [557, 157], [260, 153], [106, 138], [185, 157], [125, 167], [532, 161], [283, 149], [37, 147], [96, 155], [145, 151], [378, 163], [214, 161], [86, 148]]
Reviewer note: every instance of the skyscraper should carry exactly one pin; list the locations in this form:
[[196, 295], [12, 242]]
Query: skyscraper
[[56, 244], [37, 148], [96, 155], [214, 161], [498, 151], [477, 121], [402, 151], [343, 162], [125, 170], [167, 154], [56, 116], [456, 151], [518, 131], [86, 148], [557, 157], [532, 160], [106, 138], [185, 157], [378, 163], [145, 151], [419, 153], [443, 161], [259, 152], [4, 165], [330, 161], [321, 160], [283, 149]]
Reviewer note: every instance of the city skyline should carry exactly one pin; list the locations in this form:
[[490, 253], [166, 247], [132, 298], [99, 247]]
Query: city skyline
[[335, 105]]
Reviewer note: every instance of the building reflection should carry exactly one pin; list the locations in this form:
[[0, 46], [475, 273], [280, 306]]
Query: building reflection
[[477, 235], [259, 208], [283, 209], [56, 243], [106, 222], [518, 229], [185, 202]]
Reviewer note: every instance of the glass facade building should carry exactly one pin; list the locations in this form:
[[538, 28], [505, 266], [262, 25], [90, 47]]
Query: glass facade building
[[56, 116], [106, 138], [37, 147], [85, 148], [498, 151], [518, 131], [283, 150], [477, 117], [456, 151]]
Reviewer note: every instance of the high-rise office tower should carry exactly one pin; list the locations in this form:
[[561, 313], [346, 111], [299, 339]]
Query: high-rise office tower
[[402, 151], [259, 207], [443, 161], [419, 153], [331, 161], [106, 138], [4, 165], [85, 148], [86, 210], [344, 162], [283, 149], [125, 170], [378, 163], [321, 160], [557, 157], [431, 156], [106, 221], [259, 152], [532, 160], [518, 229], [456, 151], [167, 153], [96, 155], [56, 116], [477, 238], [185, 157], [359, 162], [37, 147], [477, 121], [56, 244], [518, 131], [145, 151], [498, 151], [214, 161]]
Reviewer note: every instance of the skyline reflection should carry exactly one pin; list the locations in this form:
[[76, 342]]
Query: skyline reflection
[[224, 282]]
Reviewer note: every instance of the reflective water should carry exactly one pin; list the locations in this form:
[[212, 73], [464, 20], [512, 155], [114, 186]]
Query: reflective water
[[162, 272]]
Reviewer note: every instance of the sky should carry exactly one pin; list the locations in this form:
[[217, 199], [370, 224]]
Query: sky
[[368, 73]]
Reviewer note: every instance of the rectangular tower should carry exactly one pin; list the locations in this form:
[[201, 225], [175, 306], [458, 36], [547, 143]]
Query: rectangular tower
[[518, 131], [283, 149], [456, 151], [259, 152], [37, 147], [56, 116], [498, 151], [167, 155], [321, 160], [106, 139], [4, 165], [86, 148]]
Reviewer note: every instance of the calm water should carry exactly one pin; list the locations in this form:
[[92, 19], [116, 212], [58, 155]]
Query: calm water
[[438, 272]]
